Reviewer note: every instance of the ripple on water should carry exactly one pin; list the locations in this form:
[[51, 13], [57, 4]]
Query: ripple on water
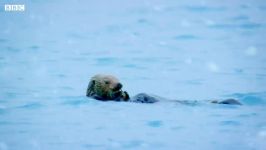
[[74, 100], [201, 9], [225, 106], [7, 123], [186, 37], [133, 144], [155, 123], [194, 82], [34, 47], [236, 26], [34, 105], [90, 146], [3, 40], [177, 128], [251, 98], [12, 49], [247, 115], [240, 18], [230, 123], [106, 60], [2, 110], [10, 95], [61, 75], [133, 66], [144, 21], [77, 36], [66, 88], [262, 8]]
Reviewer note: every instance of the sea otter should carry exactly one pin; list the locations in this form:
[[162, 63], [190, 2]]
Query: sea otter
[[108, 88]]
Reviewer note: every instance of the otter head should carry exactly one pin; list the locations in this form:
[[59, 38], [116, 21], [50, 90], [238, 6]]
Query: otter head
[[106, 87]]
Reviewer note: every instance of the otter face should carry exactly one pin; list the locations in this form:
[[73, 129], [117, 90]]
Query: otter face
[[104, 87]]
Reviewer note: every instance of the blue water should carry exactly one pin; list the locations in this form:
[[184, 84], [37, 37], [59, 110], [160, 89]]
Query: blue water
[[186, 49]]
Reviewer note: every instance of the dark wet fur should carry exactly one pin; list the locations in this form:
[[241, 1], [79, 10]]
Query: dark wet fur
[[145, 98]]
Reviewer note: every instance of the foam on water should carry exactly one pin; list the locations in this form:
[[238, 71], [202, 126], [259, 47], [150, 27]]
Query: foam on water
[[192, 50]]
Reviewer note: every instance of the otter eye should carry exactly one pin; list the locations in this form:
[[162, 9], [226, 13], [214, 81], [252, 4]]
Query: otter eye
[[106, 82]]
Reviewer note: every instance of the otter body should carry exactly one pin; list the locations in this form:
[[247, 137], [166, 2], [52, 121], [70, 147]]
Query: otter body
[[145, 98], [108, 88]]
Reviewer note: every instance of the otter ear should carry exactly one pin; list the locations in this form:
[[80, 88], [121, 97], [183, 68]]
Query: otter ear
[[90, 88]]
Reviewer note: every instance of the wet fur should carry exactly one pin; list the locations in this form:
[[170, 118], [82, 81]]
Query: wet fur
[[98, 89], [103, 87]]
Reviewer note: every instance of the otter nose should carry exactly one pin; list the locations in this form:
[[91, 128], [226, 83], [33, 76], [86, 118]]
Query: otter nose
[[118, 86]]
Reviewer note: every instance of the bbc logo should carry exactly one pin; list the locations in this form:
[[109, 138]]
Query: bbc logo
[[12, 7]]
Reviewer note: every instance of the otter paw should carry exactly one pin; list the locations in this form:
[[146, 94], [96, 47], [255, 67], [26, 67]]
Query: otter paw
[[125, 96]]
